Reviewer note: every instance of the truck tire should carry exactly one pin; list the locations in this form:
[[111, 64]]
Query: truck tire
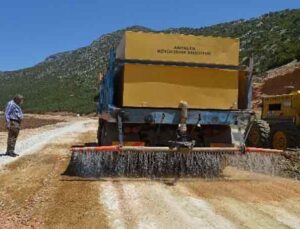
[[99, 132], [107, 133], [259, 134], [285, 136]]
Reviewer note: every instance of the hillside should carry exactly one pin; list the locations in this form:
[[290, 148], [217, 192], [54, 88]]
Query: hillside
[[68, 81]]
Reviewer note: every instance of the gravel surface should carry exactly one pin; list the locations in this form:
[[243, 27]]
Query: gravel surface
[[239, 200], [41, 138], [34, 194]]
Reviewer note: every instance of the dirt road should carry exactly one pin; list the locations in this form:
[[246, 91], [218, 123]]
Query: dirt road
[[33, 193]]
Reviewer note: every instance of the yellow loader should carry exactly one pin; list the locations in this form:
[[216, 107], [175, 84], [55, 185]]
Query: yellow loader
[[279, 126]]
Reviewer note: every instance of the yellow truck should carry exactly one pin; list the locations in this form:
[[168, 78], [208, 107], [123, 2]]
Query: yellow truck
[[166, 107], [280, 124], [151, 75]]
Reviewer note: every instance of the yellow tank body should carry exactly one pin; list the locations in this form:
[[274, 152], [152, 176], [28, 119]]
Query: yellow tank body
[[282, 107], [178, 48], [163, 86]]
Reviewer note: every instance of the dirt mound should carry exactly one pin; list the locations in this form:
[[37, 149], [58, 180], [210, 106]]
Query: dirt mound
[[278, 85], [277, 82]]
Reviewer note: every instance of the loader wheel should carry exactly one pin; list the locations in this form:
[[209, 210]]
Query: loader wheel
[[285, 136], [259, 135], [279, 140]]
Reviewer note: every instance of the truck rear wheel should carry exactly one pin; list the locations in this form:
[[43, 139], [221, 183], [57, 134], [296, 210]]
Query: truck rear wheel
[[107, 133], [259, 134]]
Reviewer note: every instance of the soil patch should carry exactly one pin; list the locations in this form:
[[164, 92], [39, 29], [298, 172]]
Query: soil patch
[[33, 193], [31, 123]]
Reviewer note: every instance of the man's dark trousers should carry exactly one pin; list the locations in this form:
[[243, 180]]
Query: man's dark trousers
[[13, 132]]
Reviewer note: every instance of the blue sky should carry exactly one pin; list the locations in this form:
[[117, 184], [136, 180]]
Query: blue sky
[[31, 30]]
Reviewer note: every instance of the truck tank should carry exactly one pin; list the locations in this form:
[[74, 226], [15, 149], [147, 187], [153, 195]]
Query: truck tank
[[151, 74]]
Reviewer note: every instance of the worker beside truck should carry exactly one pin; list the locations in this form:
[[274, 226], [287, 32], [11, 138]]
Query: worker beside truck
[[13, 118]]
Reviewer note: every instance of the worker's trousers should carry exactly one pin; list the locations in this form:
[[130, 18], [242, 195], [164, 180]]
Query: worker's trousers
[[13, 133]]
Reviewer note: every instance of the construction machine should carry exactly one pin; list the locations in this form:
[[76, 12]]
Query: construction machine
[[167, 105], [279, 126]]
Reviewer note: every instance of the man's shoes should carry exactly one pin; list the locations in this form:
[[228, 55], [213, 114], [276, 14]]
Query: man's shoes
[[12, 154]]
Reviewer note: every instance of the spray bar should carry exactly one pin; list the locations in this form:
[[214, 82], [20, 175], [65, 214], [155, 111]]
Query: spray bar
[[118, 148]]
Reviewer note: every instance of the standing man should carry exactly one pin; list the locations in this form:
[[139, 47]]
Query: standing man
[[13, 117]]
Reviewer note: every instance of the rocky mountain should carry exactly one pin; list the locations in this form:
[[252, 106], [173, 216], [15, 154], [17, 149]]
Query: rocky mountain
[[68, 81]]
